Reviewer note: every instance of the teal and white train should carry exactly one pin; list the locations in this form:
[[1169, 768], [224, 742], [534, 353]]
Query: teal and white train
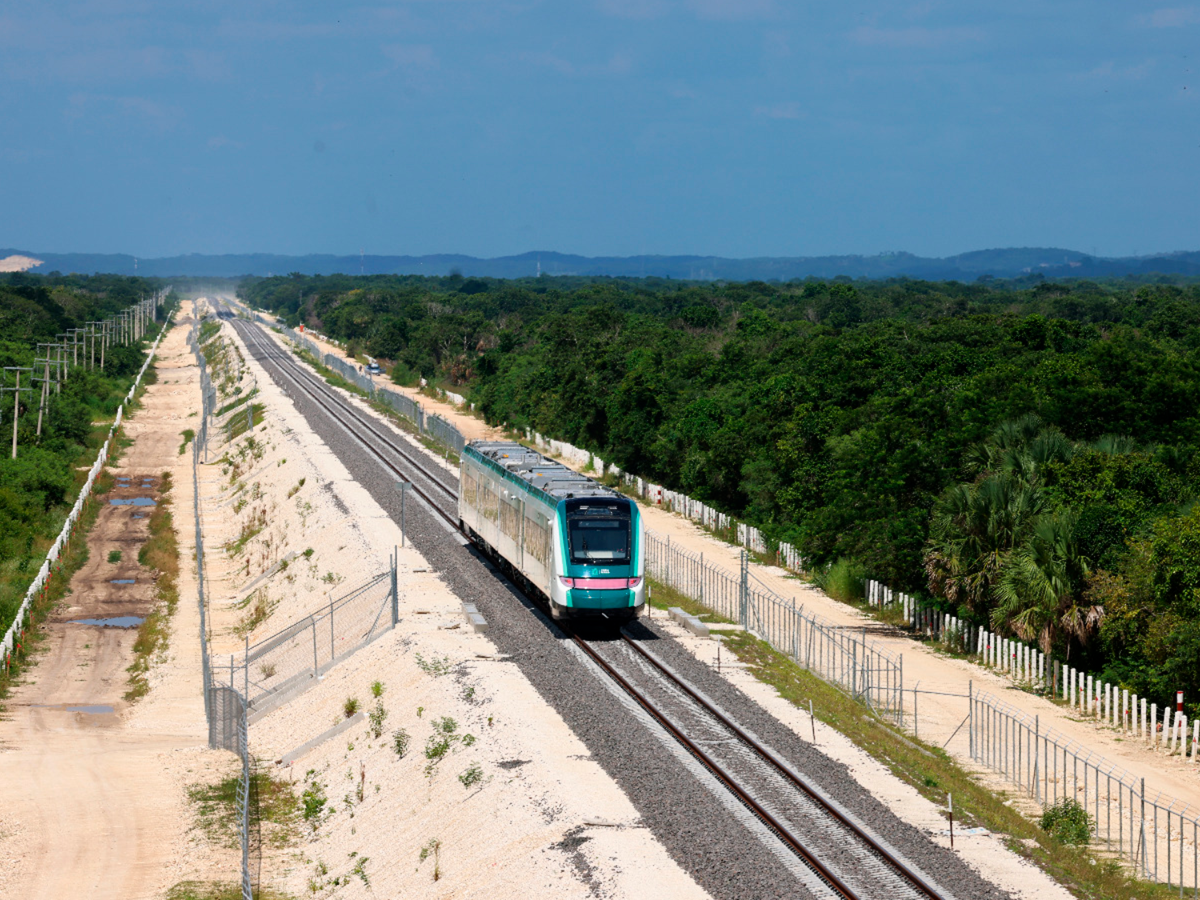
[[575, 542]]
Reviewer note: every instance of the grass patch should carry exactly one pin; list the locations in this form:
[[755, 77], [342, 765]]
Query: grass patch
[[160, 553], [845, 581], [114, 556], [240, 424], [188, 435], [217, 890], [274, 805], [934, 774], [664, 597], [249, 531], [260, 610]]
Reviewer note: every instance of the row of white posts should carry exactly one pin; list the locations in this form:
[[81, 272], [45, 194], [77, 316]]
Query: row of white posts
[[1023, 662], [1109, 704], [48, 567], [1116, 707]]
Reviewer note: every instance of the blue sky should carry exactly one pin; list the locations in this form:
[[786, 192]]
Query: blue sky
[[612, 127]]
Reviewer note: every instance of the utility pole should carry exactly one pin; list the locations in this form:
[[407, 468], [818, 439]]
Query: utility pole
[[17, 400], [44, 393]]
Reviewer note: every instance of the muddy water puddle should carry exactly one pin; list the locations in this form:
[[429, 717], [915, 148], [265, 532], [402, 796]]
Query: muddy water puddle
[[132, 501], [122, 581], [111, 621], [95, 709]]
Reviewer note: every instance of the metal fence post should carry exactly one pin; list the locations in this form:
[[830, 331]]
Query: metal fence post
[[744, 590], [395, 589]]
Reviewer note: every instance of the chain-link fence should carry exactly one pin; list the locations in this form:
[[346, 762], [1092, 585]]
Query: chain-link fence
[[1157, 835], [840, 655], [429, 424], [274, 670]]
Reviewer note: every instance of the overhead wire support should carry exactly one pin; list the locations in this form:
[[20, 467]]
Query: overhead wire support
[[16, 391]]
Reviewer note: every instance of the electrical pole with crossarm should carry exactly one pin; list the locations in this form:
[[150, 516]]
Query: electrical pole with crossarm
[[16, 391]]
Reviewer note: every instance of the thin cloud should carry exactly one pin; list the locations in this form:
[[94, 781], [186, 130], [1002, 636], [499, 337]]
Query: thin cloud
[[915, 37], [780, 111], [731, 10], [161, 117], [634, 9], [1175, 17], [417, 56], [620, 63]]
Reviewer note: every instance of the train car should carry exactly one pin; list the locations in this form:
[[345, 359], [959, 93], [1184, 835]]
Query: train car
[[575, 542]]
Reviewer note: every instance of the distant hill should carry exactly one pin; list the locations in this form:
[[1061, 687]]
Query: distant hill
[[1003, 263]]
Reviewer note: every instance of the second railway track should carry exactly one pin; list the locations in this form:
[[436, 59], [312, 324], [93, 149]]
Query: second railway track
[[847, 858]]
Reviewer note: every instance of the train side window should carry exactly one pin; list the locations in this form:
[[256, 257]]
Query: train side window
[[489, 502], [510, 520], [470, 488], [537, 539]]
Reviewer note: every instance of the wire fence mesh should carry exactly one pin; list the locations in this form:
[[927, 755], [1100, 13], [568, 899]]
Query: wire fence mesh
[[433, 426], [287, 663], [840, 655], [1157, 835]]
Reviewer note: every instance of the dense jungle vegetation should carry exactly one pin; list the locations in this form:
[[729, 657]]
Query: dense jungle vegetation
[[1024, 452], [38, 488]]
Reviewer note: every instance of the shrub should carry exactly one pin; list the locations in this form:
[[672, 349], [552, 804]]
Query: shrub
[[400, 741], [845, 580], [350, 707], [1068, 821]]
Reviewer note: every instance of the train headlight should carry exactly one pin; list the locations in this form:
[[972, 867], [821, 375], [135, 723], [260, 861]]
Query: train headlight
[[567, 582], [635, 582]]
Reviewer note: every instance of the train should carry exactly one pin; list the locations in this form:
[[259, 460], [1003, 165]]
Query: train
[[576, 544]]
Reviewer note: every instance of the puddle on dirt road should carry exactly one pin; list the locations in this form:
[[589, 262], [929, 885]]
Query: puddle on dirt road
[[132, 501], [139, 515], [122, 581], [95, 709], [112, 621]]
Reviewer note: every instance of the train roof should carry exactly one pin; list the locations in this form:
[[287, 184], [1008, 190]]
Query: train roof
[[546, 475]]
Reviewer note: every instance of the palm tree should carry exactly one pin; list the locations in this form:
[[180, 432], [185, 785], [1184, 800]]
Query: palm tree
[[1041, 586], [975, 529]]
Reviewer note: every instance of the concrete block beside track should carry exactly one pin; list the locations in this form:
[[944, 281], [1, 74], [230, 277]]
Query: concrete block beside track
[[474, 618]]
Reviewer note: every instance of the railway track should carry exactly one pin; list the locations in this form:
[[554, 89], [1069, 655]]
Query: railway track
[[843, 852], [431, 486], [848, 859]]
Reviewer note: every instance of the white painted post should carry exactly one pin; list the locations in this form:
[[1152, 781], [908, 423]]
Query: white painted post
[[1125, 710], [1069, 680], [1142, 719], [1166, 725], [1091, 695], [1195, 737], [1107, 702], [1153, 725], [1171, 736]]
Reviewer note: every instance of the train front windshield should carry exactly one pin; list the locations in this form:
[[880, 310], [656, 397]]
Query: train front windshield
[[598, 532]]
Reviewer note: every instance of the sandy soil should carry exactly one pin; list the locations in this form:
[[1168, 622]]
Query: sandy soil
[[94, 802], [542, 819]]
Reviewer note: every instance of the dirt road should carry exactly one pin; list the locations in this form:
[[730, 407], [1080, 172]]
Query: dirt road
[[93, 798]]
